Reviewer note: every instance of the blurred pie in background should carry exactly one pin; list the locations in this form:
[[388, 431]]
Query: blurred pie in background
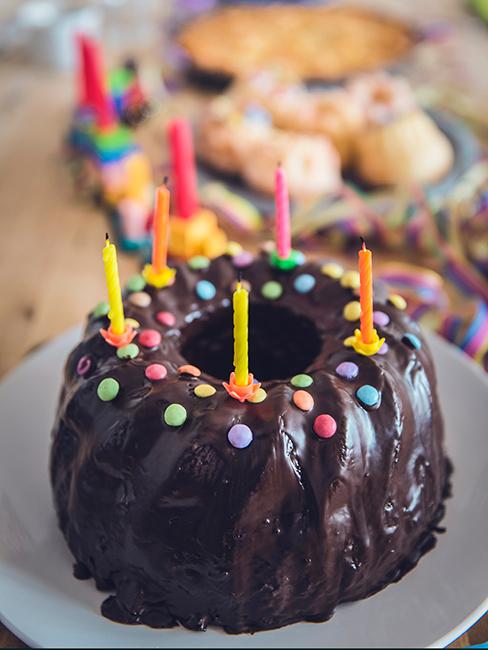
[[312, 42]]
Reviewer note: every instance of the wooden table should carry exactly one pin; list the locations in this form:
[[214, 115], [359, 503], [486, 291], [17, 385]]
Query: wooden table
[[50, 264]]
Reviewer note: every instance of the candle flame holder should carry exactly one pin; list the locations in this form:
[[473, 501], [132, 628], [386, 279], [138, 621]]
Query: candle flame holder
[[294, 259], [118, 340], [158, 279], [197, 235], [367, 349], [242, 393]]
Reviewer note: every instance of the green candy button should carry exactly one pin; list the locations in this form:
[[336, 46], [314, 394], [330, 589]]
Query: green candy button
[[108, 389], [271, 290], [301, 381], [135, 283], [198, 263], [175, 415], [101, 309], [129, 351]]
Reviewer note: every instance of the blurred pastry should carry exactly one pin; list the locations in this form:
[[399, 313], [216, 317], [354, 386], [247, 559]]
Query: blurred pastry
[[399, 143], [409, 149], [311, 162]]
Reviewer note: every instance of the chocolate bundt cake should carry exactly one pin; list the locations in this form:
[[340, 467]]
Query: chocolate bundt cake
[[194, 508]]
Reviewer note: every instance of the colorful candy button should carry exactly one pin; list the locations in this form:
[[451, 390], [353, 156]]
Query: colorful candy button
[[258, 397], [129, 351], [140, 299], [243, 259], [380, 318], [101, 309], [368, 395], [135, 283], [304, 283], [299, 258], [132, 322], [303, 400], [150, 338], [301, 381], [412, 341], [384, 348], [188, 369], [83, 366], [350, 280], [324, 425], [240, 436], [352, 311], [108, 389], [156, 372], [166, 318], [198, 263], [332, 270], [233, 248], [204, 390], [397, 301], [175, 415], [348, 370], [271, 290], [205, 290]]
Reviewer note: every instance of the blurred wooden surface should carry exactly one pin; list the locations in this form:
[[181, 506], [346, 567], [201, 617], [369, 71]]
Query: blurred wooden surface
[[50, 271]]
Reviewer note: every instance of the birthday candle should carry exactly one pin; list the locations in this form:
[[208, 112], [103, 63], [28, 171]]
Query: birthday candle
[[116, 313], [240, 302], [183, 165], [161, 230], [282, 216], [366, 293]]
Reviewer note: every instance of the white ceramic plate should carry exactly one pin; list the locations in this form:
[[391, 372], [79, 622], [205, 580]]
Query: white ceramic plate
[[43, 604]]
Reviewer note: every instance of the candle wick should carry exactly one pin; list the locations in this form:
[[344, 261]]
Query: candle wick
[[165, 180], [107, 238], [239, 277], [363, 243]]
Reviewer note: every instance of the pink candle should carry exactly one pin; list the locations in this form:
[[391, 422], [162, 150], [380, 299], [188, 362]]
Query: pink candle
[[96, 91], [183, 166], [282, 216]]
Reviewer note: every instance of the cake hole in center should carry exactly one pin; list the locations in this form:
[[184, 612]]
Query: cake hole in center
[[281, 343]]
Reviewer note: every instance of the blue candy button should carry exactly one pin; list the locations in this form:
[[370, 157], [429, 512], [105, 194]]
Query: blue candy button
[[205, 290], [304, 283], [412, 341], [368, 395]]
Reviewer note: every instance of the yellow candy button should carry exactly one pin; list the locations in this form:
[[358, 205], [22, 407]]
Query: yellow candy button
[[204, 390], [398, 301], [352, 311], [332, 270], [132, 322], [259, 396], [233, 248], [350, 280]]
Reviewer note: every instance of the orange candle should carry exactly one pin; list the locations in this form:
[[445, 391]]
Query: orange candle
[[366, 294], [161, 229]]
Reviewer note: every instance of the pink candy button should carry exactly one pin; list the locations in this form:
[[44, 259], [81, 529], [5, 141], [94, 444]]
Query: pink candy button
[[149, 338], [166, 318], [156, 372], [325, 426]]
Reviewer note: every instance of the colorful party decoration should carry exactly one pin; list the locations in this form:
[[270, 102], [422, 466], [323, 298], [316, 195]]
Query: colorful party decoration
[[183, 167], [282, 256]]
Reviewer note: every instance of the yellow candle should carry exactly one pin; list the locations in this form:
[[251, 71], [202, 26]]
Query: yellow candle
[[116, 313], [241, 316]]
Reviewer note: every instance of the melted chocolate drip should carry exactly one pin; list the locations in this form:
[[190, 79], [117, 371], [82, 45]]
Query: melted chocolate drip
[[184, 528]]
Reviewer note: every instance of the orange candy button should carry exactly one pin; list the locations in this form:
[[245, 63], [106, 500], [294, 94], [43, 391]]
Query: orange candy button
[[303, 400], [188, 369]]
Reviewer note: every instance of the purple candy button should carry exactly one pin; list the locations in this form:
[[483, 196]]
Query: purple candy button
[[84, 365], [348, 370], [241, 260], [240, 436], [384, 349], [380, 318]]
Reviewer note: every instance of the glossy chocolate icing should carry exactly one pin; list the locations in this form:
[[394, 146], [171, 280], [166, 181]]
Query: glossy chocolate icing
[[183, 527]]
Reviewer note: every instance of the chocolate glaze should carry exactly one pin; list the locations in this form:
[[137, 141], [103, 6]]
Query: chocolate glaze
[[184, 528]]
